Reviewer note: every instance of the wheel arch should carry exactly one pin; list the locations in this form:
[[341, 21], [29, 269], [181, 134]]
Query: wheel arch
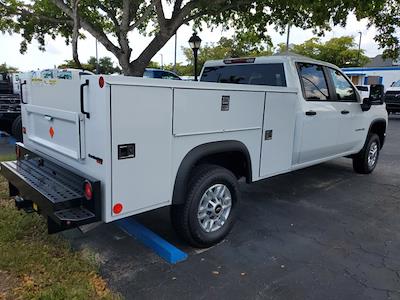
[[234, 156], [378, 126]]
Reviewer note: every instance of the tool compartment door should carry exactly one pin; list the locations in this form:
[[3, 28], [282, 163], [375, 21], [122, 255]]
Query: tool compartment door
[[278, 133], [58, 130], [141, 121], [52, 118]]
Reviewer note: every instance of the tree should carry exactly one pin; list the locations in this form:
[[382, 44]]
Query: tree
[[341, 51], [228, 47], [106, 65], [4, 68], [110, 22]]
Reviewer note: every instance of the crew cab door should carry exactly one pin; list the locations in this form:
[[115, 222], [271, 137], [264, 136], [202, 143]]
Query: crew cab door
[[319, 114], [351, 131]]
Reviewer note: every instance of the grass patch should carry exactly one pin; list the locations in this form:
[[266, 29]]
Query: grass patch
[[7, 157], [42, 266]]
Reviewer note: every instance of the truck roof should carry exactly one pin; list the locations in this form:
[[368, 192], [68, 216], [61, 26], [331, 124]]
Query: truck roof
[[277, 58]]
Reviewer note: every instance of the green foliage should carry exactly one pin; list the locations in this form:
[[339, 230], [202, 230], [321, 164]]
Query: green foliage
[[111, 21], [341, 51], [4, 68], [106, 65], [225, 48]]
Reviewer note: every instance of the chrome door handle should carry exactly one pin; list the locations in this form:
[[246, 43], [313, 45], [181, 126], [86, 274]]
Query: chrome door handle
[[311, 113]]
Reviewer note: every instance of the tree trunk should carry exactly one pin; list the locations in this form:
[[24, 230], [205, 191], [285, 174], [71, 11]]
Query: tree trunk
[[135, 68], [75, 33], [138, 66]]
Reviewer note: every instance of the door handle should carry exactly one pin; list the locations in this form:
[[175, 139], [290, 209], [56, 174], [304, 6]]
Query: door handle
[[82, 108], [311, 113], [344, 112]]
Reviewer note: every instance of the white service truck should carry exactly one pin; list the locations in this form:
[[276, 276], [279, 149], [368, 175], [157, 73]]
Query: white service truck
[[102, 148]]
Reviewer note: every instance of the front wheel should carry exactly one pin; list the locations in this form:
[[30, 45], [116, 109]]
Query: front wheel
[[366, 160], [209, 211]]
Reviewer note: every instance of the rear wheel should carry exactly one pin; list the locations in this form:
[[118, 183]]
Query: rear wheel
[[365, 161], [16, 129], [210, 209]]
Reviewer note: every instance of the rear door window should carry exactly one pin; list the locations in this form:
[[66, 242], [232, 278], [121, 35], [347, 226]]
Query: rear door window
[[259, 74], [314, 82]]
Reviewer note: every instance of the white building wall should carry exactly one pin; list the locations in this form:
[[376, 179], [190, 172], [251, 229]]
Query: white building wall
[[388, 74]]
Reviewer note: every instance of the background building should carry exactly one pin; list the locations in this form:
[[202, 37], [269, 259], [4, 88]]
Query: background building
[[378, 70]]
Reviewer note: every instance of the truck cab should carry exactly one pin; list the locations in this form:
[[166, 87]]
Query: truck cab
[[326, 118]]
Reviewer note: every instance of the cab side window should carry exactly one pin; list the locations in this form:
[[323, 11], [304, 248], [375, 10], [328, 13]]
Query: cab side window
[[313, 81], [343, 89]]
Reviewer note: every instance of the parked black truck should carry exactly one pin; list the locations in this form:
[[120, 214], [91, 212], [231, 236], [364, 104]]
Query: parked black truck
[[10, 108]]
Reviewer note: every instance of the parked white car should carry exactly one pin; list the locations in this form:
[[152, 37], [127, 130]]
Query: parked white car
[[108, 147]]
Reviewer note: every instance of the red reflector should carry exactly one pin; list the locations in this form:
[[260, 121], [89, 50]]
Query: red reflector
[[88, 192], [17, 151], [239, 60], [23, 130], [117, 208], [101, 81]]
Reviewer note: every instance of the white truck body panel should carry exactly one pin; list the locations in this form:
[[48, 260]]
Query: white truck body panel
[[166, 119]]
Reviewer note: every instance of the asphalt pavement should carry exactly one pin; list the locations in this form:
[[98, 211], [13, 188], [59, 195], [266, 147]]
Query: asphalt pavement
[[323, 232]]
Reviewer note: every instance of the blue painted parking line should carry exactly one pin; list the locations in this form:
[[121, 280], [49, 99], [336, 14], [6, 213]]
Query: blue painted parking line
[[7, 138], [163, 248]]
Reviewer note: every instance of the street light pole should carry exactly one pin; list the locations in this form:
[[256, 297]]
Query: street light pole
[[359, 49], [195, 43], [162, 61], [195, 51], [97, 60]]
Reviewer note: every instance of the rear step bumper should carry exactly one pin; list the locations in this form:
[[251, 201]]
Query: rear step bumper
[[51, 190]]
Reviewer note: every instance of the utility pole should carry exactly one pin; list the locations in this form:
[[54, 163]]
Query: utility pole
[[162, 61], [176, 44], [359, 49], [287, 39]]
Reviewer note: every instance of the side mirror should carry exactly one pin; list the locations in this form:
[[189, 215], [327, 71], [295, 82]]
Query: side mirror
[[366, 104], [376, 93]]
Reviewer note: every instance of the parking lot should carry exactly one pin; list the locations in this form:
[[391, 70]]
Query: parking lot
[[320, 233]]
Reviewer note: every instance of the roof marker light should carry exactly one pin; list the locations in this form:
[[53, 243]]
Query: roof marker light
[[101, 81]]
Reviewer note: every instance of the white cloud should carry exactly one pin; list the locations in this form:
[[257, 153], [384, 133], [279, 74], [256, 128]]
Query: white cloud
[[57, 51]]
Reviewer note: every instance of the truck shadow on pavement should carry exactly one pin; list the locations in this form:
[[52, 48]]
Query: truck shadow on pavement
[[299, 235]]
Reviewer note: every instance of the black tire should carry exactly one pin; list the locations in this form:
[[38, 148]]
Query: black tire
[[5, 126], [360, 160], [16, 129], [184, 217]]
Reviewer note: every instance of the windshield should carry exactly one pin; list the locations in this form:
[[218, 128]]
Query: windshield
[[396, 83]]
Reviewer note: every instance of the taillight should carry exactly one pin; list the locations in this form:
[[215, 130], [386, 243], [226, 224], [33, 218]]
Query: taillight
[[239, 60], [88, 191], [117, 208]]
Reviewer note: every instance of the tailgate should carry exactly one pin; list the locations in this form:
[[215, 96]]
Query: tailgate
[[61, 131]]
